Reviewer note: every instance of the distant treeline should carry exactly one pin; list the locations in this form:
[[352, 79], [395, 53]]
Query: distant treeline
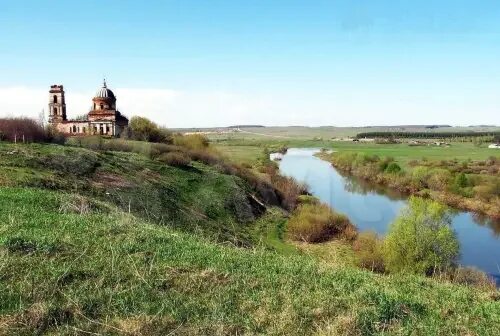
[[434, 135], [245, 126]]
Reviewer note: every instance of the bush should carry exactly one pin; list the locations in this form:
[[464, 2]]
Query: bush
[[393, 168], [314, 223], [192, 141], [307, 199], [439, 179], [143, 129], [21, 129], [288, 189], [421, 239], [470, 276], [176, 159], [368, 248]]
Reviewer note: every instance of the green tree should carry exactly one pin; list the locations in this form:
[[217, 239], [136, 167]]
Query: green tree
[[143, 129], [421, 239]]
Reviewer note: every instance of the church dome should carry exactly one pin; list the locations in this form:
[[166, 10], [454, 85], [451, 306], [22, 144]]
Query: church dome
[[104, 92]]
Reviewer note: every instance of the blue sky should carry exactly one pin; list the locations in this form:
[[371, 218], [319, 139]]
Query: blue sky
[[212, 63]]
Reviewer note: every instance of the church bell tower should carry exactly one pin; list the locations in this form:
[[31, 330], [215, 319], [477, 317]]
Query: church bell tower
[[57, 104]]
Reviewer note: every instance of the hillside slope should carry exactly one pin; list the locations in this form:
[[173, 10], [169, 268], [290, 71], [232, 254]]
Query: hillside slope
[[197, 198], [73, 260]]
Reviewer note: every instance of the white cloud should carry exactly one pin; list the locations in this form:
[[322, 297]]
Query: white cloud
[[167, 107], [342, 107]]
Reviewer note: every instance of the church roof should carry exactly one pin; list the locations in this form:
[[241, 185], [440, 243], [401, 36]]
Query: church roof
[[104, 92]]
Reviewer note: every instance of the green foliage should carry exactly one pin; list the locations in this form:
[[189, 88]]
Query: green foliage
[[308, 199], [192, 141], [143, 129], [461, 181], [369, 250], [315, 223], [393, 168], [421, 239], [110, 273]]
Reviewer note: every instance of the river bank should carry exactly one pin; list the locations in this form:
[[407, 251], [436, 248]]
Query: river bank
[[371, 207], [425, 185]]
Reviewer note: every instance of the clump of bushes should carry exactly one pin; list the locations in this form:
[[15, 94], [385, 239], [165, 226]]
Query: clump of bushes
[[28, 130], [393, 168], [369, 250], [421, 239], [315, 223], [470, 276], [21, 129], [176, 159], [191, 141], [143, 129]]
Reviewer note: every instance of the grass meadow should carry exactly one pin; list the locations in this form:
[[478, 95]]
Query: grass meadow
[[102, 271]]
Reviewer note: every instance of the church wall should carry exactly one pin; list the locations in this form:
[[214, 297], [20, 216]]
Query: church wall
[[74, 127]]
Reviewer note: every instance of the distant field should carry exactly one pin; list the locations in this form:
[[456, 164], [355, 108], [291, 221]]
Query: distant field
[[405, 153], [248, 149], [324, 132]]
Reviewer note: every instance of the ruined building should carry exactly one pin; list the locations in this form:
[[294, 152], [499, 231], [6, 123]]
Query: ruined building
[[103, 117]]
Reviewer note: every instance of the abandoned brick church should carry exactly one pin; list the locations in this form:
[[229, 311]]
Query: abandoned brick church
[[102, 119]]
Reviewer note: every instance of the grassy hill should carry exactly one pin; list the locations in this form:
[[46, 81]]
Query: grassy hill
[[118, 244]]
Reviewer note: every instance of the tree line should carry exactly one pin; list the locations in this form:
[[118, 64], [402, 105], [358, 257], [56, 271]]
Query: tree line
[[433, 135]]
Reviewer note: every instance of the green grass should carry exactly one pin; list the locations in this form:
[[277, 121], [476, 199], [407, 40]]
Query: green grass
[[327, 132], [404, 153], [106, 272], [249, 149], [196, 199], [115, 243], [242, 154]]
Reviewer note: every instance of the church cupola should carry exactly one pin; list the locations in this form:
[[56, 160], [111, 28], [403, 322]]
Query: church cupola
[[104, 99]]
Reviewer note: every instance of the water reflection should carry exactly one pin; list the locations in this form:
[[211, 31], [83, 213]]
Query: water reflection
[[371, 207]]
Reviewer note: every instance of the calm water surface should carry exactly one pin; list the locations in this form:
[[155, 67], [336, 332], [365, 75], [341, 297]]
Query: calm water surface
[[372, 208]]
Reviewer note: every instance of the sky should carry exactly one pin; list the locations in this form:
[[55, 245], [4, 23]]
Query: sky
[[189, 63]]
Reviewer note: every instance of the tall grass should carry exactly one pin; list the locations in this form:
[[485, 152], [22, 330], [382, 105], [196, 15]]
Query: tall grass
[[109, 273], [314, 223]]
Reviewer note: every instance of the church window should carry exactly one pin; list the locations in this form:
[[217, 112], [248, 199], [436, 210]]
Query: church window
[[55, 110], [102, 106], [55, 99], [74, 129]]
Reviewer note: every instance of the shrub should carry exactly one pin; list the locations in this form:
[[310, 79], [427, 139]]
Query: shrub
[[472, 277], [420, 176], [288, 189], [368, 248], [439, 179], [176, 159], [21, 129], [307, 199], [314, 223], [461, 181], [143, 129], [393, 168], [192, 141], [421, 240]]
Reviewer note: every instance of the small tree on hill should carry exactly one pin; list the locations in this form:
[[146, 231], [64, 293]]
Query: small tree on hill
[[421, 239], [143, 129]]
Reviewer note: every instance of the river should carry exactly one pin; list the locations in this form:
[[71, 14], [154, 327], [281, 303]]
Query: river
[[374, 208]]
